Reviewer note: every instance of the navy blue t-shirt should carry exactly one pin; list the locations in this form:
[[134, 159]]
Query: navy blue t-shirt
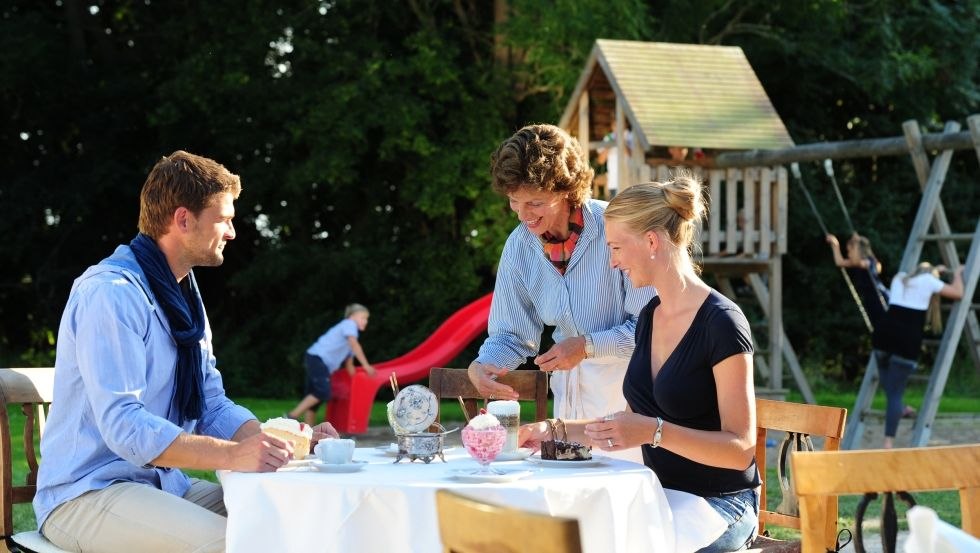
[[684, 392]]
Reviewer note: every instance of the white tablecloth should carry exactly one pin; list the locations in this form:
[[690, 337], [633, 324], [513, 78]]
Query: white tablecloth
[[620, 506]]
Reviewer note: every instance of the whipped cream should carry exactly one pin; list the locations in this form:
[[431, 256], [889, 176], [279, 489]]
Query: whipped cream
[[483, 422], [504, 407], [288, 425]]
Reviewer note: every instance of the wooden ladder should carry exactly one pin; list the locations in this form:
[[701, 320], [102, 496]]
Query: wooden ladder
[[963, 315]]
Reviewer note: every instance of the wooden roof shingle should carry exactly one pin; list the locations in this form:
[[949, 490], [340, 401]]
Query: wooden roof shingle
[[686, 95]]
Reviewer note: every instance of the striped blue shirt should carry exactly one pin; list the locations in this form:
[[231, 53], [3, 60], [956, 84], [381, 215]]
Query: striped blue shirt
[[590, 298]]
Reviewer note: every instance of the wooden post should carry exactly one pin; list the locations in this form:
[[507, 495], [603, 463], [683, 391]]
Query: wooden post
[[714, 213], [750, 176], [583, 133], [782, 209], [621, 165], [583, 123], [638, 160], [776, 322], [731, 210], [765, 212], [930, 199]]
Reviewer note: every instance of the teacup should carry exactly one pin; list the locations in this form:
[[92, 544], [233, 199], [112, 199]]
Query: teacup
[[334, 451]]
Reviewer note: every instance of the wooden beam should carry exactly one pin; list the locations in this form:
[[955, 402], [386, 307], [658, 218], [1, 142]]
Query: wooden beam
[[871, 147]]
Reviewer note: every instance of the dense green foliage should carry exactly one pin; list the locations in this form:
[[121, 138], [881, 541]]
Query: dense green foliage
[[362, 130]]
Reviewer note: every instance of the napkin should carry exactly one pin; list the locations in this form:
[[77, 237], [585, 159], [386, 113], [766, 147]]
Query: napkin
[[929, 534], [696, 524]]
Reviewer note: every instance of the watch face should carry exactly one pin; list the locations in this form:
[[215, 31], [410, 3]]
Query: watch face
[[415, 408]]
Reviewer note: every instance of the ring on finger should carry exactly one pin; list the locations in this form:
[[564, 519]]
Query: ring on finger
[[609, 442], [491, 396]]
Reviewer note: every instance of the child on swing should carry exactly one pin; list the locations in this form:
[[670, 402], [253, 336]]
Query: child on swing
[[865, 272]]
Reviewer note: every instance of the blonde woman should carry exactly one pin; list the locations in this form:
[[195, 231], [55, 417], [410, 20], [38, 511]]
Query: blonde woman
[[689, 386], [897, 339]]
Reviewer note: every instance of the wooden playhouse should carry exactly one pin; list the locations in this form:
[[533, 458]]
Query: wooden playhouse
[[709, 100]]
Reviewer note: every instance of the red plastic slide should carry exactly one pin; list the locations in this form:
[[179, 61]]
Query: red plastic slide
[[351, 401]]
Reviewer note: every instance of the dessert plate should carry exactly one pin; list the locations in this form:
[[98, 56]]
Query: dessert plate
[[295, 463], [564, 464], [353, 466], [519, 455], [507, 475], [390, 450]]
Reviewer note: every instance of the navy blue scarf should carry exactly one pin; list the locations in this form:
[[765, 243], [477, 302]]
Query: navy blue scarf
[[186, 320]]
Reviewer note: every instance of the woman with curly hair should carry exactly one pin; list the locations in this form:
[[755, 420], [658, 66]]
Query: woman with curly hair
[[555, 271]]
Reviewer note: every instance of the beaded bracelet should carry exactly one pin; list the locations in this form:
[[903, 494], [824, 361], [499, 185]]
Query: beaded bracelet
[[564, 431], [551, 427]]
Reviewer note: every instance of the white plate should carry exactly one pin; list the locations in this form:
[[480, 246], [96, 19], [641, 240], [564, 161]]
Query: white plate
[[300, 462], [353, 466], [563, 464], [508, 475], [519, 455], [390, 450]]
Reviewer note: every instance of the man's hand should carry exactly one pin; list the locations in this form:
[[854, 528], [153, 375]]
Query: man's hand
[[258, 453], [563, 356], [484, 378]]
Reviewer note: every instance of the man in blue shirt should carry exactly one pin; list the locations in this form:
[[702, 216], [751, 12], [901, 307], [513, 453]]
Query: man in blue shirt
[[137, 395]]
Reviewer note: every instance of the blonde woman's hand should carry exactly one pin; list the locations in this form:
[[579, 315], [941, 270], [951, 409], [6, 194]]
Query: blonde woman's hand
[[620, 430], [532, 434]]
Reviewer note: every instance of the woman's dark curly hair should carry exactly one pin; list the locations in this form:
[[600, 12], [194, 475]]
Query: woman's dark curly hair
[[542, 157]]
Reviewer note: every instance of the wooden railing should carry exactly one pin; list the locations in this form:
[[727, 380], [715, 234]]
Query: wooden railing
[[747, 207]]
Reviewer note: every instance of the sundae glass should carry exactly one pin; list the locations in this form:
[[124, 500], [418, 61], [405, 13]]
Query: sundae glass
[[484, 438]]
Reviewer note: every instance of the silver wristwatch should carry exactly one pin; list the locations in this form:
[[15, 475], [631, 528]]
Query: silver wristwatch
[[589, 347]]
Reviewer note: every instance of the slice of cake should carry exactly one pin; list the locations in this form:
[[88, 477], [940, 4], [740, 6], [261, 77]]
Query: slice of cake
[[294, 431], [557, 450]]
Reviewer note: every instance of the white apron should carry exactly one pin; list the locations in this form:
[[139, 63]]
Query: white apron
[[591, 390]]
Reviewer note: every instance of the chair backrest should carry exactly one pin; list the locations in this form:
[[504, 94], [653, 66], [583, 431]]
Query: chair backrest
[[470, 526], [31, 390], [799, 421], [530, 385], [823, 474]]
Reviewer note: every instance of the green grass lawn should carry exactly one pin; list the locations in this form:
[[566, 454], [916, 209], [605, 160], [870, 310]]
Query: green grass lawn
[[946, 504]]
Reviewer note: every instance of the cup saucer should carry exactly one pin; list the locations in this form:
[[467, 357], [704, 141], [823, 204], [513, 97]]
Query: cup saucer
[[353, 466]]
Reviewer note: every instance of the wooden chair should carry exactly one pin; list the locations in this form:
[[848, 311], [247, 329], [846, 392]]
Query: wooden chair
[[799, 421], [826, 474], [531, 385], [470, 526], [31, 390]]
